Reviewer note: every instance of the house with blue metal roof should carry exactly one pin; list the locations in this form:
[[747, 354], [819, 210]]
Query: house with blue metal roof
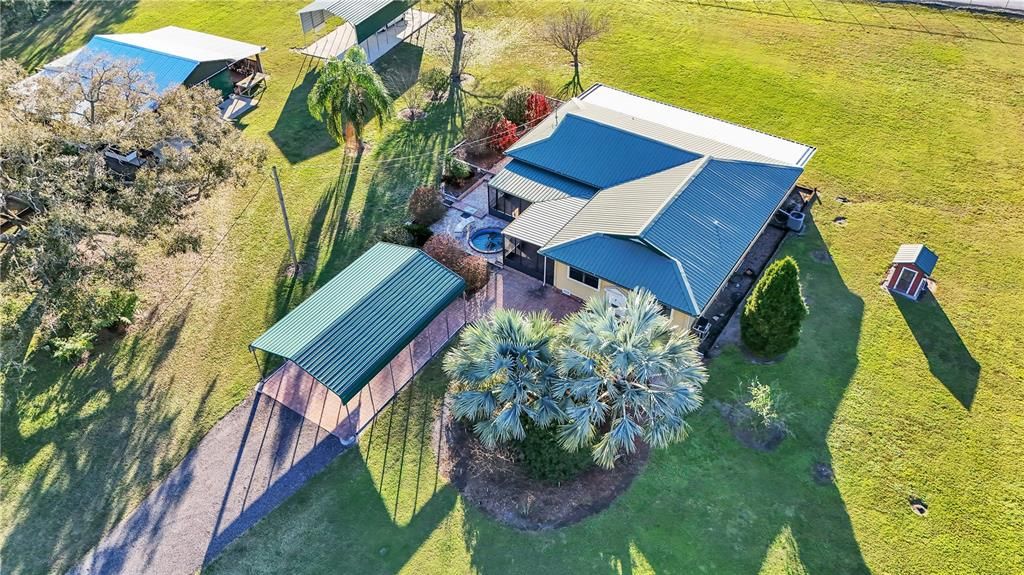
[[174, 56], [613, 192]]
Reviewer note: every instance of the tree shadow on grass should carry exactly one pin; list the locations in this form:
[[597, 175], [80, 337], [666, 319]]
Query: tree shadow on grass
[[708, 504], [84, 444], [50, 34], [948, 358]]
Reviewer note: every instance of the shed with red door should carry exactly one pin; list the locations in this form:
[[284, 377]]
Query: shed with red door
[[911, 270]]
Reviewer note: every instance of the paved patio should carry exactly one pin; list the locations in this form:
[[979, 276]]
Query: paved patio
[[468, 215], [263, 451]]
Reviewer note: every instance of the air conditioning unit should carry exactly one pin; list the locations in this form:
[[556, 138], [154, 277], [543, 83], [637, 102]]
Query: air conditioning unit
[[616, 299]]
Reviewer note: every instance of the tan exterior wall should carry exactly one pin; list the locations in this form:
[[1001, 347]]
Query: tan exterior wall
[[585, 292]]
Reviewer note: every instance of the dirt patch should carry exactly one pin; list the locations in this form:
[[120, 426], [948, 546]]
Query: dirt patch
[[494, 483], [918, 506]]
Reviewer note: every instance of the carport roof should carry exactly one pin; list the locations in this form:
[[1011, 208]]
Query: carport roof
[[353, 326]]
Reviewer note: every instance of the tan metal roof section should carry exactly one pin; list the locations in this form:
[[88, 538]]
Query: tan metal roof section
[[541, 221], [626, 209]]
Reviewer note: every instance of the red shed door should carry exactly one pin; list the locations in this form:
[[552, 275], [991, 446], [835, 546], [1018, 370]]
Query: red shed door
[[906, 279]]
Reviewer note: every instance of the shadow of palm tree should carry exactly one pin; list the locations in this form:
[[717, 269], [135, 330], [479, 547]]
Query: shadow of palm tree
[[948, 357]]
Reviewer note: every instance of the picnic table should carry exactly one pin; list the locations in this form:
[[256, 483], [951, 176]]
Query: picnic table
[[247, 85]]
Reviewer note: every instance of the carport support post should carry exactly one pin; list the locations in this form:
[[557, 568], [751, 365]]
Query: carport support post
[[259, 385], [284, 212]]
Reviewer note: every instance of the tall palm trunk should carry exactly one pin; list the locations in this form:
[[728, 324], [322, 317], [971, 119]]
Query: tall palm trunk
[[353, 143]]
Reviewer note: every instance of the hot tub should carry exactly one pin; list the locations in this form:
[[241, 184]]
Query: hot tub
[[486, 240]]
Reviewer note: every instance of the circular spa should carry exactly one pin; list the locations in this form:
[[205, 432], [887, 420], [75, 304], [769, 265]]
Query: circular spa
[[486, 240]]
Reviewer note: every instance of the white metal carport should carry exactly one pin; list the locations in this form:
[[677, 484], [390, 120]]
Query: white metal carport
[[376, 26]]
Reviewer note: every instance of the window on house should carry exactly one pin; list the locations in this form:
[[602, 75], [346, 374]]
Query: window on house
[[583, 277]]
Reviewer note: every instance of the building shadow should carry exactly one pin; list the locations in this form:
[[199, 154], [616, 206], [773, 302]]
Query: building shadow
[[948, 357], [373, 506], [709, 504]]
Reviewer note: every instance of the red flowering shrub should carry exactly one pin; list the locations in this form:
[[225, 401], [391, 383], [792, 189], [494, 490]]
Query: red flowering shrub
[[503, 135], [536, 107]]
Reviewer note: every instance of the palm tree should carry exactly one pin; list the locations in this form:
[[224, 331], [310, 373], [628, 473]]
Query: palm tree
[[503, 369], [628, 374], [347, 95]]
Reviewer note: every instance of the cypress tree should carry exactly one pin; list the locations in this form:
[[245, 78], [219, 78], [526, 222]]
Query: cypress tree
[[770, 324]]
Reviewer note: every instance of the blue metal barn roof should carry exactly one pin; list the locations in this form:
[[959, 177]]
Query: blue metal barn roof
[[598, 154], [627, 263], [168, 71], [353, 326], [714, 219]]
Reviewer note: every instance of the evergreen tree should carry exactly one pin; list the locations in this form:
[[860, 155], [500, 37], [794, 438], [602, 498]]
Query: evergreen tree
[[771, 319]]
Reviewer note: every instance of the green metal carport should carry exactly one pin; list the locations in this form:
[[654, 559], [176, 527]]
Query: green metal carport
[[352, 328]]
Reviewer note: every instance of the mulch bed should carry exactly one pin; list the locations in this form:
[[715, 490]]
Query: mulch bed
[[494, 483]]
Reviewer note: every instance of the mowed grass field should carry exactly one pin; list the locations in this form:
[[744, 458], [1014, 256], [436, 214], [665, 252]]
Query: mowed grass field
[[921, 134]]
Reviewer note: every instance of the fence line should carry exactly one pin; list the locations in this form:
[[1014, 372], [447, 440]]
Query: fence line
[[753, 6]]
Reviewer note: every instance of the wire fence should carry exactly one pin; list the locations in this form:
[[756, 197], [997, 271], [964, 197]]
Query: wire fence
[[889, 14]]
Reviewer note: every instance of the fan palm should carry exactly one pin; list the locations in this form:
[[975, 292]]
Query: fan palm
[[503, 370], [347, 95], [628, 374]]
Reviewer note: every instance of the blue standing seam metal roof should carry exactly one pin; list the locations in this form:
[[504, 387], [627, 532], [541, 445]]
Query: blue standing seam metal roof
[[535, 184], [168, 71], [598, 154], [353, 326], [628, 263], [919, 255], [712, 221]]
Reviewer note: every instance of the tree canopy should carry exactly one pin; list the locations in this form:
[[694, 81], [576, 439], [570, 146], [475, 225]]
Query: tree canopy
[[628, 375], [605, 380], [347, 95], [93, 163], [503, 368], [569, 31]]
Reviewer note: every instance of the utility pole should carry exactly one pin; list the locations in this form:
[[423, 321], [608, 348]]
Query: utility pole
[[287, 228]]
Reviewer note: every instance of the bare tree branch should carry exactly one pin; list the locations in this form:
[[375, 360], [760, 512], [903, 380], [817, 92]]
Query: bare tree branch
[[569, 31]]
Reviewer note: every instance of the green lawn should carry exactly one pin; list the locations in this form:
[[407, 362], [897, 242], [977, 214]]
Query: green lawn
[[921, 132]]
